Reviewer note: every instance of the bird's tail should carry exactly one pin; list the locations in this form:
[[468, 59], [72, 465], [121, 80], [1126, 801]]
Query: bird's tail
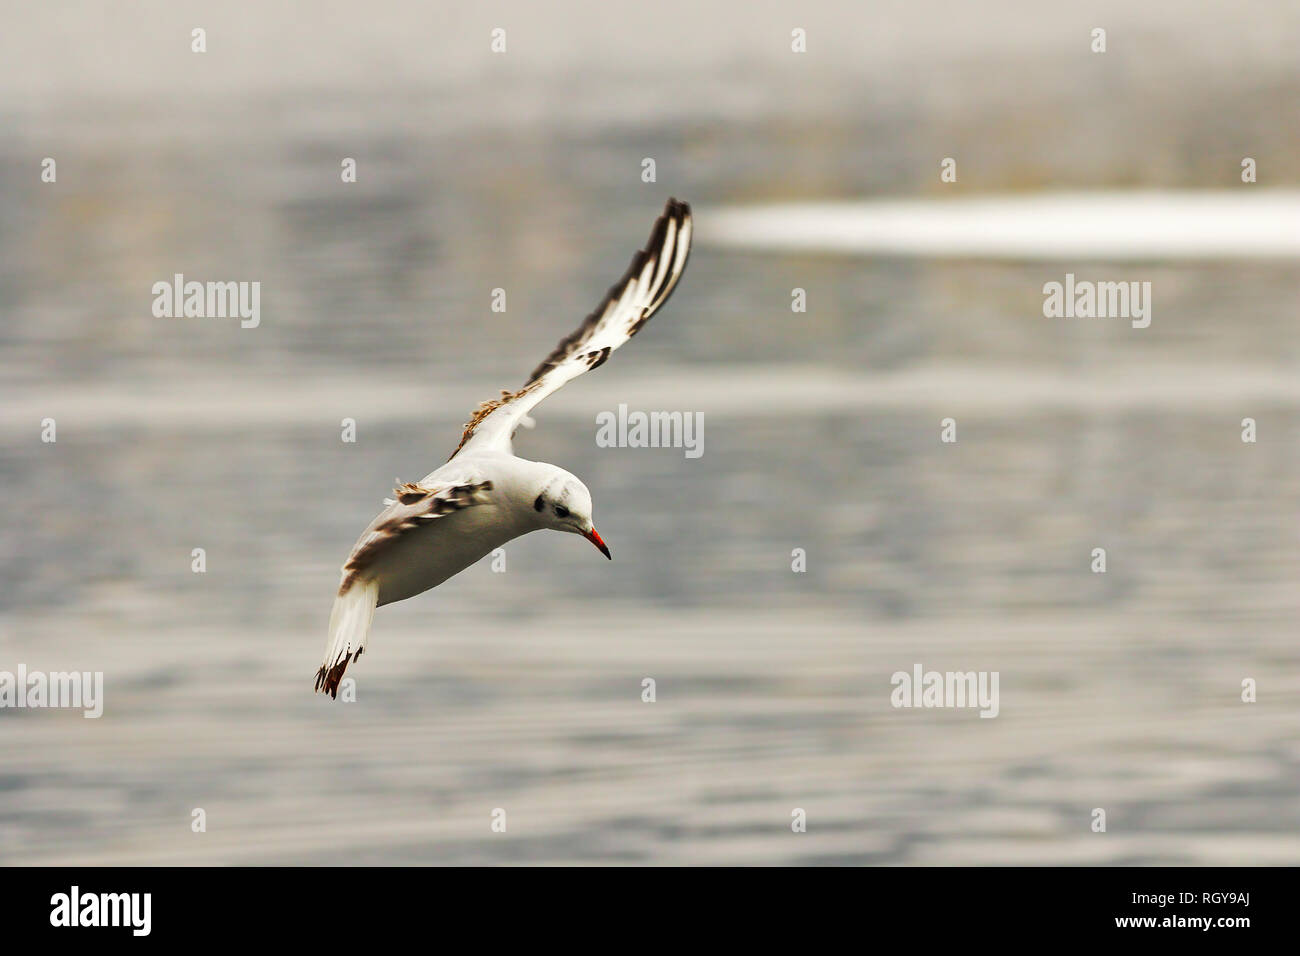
[[349, 629]]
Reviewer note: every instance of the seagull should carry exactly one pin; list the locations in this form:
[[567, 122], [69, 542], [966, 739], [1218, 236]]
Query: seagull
[[485, 495]]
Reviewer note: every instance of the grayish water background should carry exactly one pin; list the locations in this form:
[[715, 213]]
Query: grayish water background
[[522, 690]]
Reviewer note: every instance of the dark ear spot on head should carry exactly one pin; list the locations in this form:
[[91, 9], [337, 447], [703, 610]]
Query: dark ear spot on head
[[537, 505]]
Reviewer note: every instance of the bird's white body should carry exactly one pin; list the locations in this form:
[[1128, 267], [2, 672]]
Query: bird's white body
[[424, 560], [485, 496]]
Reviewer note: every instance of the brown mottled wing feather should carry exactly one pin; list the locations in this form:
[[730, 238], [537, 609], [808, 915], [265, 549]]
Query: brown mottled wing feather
[[627, 306], [411, 507]]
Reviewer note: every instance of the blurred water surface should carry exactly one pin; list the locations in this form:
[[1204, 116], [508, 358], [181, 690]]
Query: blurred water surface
[[522, 690]]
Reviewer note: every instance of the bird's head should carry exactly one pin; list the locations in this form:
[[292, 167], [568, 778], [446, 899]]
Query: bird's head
[[563, 503]]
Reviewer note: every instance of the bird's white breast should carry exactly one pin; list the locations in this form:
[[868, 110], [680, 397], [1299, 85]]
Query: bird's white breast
[[425, 557]]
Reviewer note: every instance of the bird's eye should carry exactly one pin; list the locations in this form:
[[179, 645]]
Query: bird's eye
[[561, 511]]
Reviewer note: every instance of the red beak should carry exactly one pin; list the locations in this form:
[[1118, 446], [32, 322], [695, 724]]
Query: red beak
[[599, 542]]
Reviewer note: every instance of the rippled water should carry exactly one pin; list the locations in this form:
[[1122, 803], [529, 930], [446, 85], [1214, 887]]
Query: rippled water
[[523, 690]]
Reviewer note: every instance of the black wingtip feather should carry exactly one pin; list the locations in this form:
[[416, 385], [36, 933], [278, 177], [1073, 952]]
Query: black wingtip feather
[[674, 210]]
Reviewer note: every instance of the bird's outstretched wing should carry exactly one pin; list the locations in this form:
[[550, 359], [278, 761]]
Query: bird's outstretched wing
[[629, 303]]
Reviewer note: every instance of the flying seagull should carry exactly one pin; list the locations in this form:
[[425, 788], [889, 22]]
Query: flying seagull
[[484, 495]]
